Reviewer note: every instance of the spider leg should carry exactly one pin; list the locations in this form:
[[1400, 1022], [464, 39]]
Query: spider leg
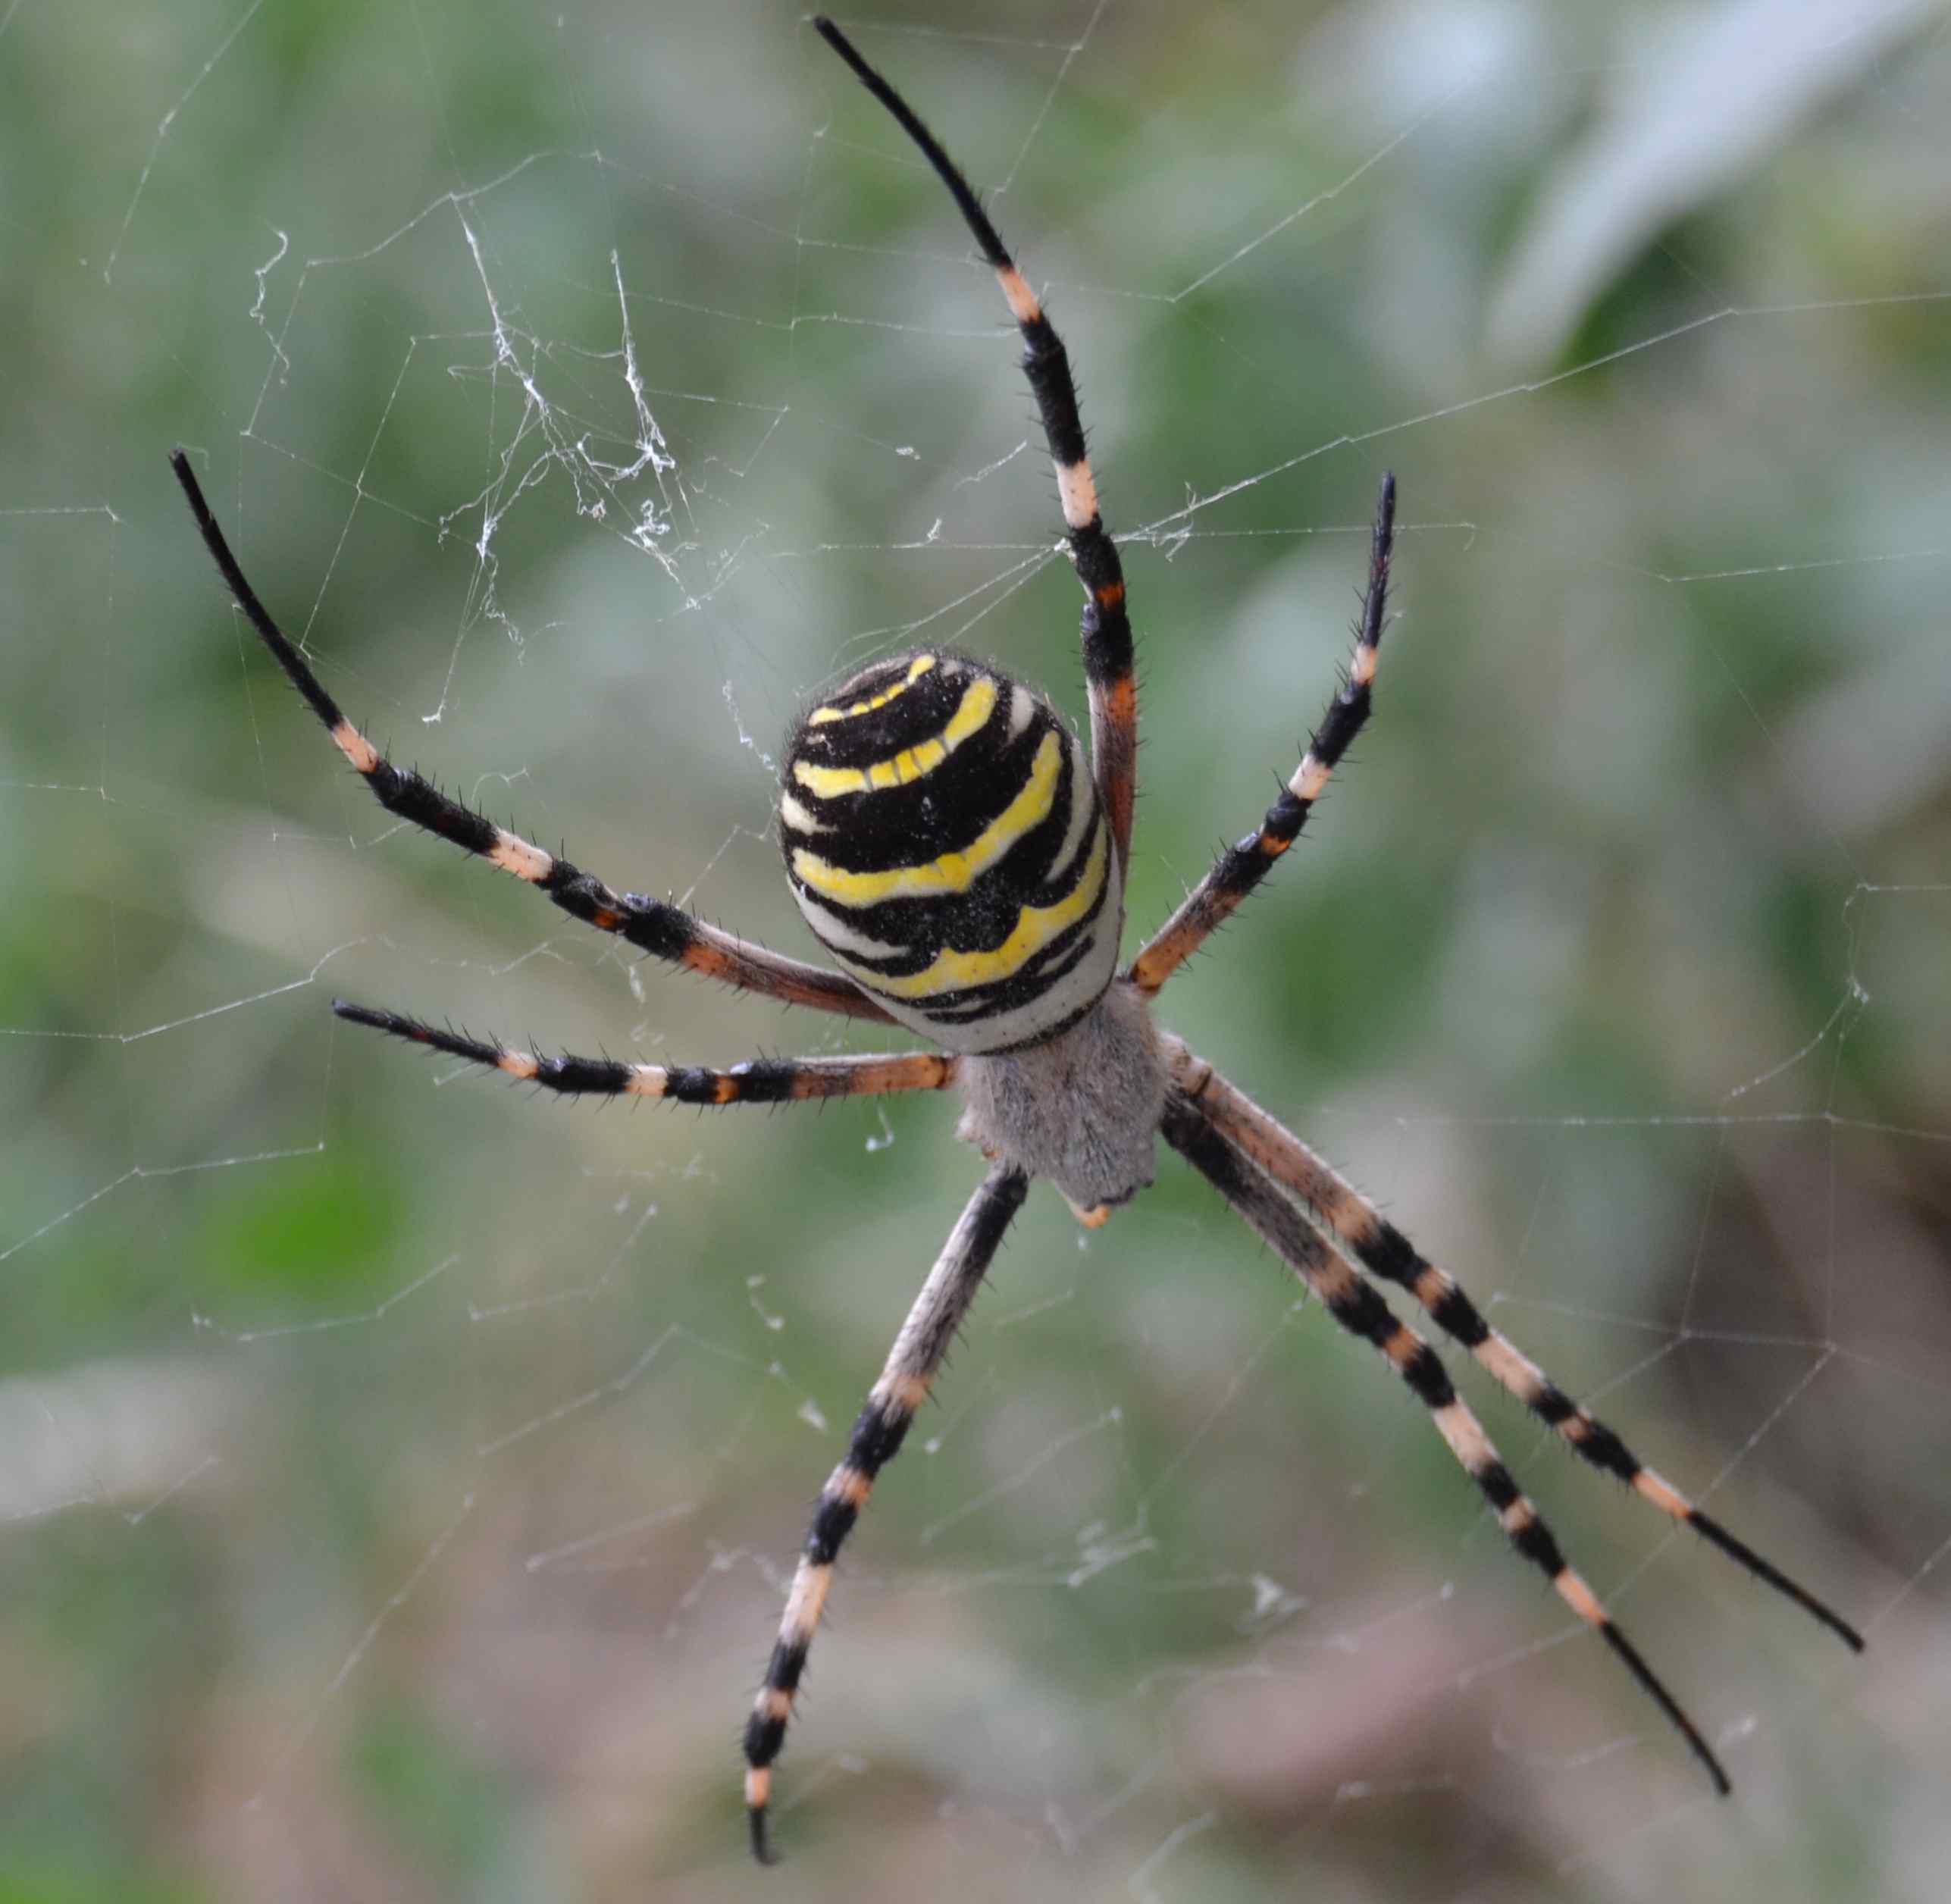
[[1242, 867], [1382, 1250], [665, 931], [1354, 1302], [757, 1081], [1106, 630], [877, 1437]]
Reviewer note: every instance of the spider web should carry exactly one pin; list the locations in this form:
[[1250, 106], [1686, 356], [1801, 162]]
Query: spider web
[[401, 1478]]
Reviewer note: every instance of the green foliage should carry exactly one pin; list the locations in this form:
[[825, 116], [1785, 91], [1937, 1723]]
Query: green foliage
[[399, 1474]]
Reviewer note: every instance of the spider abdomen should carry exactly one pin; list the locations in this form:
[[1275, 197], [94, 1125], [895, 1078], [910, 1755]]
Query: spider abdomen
[[945, 841]]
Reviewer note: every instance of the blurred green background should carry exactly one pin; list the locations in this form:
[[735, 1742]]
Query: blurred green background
[[399, 1476]]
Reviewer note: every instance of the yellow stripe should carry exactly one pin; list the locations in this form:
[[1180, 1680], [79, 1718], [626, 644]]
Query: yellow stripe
[[953, 872], [973, 710], [1036, 926], [923, 663]]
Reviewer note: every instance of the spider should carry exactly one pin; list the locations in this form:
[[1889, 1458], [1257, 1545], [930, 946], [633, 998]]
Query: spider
[[954, 851]]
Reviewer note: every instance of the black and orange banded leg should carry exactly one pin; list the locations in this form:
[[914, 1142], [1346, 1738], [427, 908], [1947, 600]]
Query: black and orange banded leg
[[757, 1081], [1106, 630], [877, 1434], [1243, 866], [1355, 1303], [664, 931], [1383, 1251]]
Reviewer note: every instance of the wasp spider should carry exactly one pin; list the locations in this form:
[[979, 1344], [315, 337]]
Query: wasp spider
[[963, 861]]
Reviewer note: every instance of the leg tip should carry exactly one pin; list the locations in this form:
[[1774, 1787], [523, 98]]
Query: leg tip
[[377, 1021], [758, 1794], [179, 463]]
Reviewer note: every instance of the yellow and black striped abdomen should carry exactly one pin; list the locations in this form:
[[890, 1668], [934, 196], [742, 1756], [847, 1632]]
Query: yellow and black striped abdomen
[[944, 839]]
